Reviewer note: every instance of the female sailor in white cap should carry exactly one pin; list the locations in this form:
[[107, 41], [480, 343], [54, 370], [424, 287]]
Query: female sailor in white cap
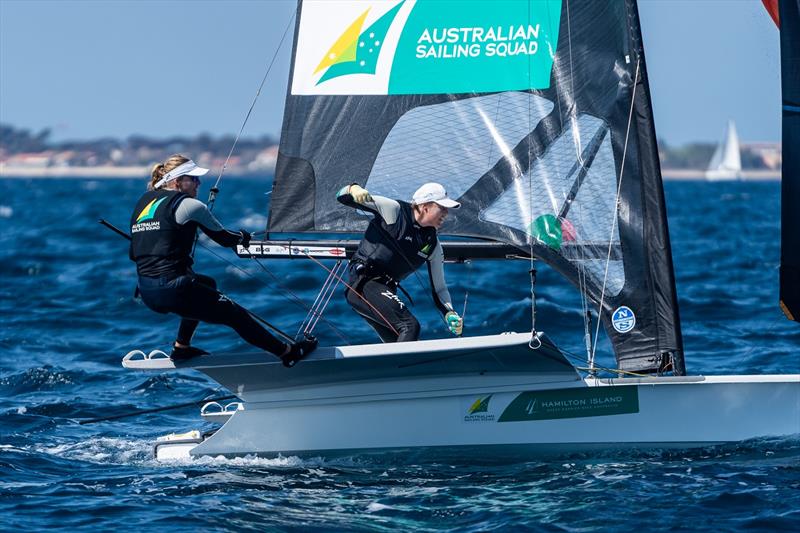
[[163, 229], [400, 238]]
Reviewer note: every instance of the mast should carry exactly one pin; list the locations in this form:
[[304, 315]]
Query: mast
[[790, 182]]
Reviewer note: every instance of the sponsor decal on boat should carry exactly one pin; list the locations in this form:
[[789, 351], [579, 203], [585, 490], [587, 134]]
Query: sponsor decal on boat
[[425, 46], [572, 403], [478, 410], [623, 319]]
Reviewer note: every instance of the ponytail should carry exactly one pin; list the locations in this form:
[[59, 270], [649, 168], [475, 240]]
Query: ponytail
[[156, 174], [159, 169]]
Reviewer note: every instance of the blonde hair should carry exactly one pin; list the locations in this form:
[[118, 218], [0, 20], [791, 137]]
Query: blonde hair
[[159, 169]]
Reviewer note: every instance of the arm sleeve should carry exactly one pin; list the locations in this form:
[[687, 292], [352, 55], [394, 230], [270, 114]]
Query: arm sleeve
[[386, 208], [193, 210], [441, 296]]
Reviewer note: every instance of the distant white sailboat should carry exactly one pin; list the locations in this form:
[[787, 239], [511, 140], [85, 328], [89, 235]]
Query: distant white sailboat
[[726, 164]]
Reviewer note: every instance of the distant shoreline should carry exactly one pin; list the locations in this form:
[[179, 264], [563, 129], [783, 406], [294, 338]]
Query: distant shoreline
[[109, 172], [99, 172]]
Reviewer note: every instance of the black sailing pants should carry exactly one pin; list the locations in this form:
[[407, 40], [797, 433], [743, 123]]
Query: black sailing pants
[[195, 299], [383, 310]]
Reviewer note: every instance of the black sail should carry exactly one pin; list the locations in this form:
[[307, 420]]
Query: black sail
[[536, 115], [790, 178]]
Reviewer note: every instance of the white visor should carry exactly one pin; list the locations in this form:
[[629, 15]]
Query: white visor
[[189, 168]]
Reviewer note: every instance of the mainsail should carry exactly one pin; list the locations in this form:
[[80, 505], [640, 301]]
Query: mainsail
[[535, 115]]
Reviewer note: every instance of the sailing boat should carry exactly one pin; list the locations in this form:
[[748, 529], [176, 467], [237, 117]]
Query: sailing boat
[[726, 163], [536, 116]]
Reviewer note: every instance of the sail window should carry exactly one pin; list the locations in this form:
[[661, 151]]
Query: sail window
[[534, 202], [453, 143]]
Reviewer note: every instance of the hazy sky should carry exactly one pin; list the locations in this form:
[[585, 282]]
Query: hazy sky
[[114, 68]]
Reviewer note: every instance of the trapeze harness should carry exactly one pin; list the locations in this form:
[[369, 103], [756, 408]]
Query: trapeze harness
[[387, 254], [161, 248]]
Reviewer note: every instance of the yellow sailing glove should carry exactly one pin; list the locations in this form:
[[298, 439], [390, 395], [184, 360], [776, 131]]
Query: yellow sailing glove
[[454, 322], [360, 194]]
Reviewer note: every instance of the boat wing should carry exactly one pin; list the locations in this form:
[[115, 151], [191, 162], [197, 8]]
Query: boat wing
[[510, 353]]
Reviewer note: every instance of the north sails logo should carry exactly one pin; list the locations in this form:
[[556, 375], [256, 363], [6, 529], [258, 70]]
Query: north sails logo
[[357, 51]]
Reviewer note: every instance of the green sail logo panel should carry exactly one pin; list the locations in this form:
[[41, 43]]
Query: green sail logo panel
[[451, 47], [572, 403]]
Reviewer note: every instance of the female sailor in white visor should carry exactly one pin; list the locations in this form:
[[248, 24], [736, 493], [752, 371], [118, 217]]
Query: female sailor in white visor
[[400, 238], [164, 224]]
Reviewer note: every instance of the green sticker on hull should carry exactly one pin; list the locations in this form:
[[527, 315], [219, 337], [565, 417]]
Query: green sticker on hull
[[572, 403]]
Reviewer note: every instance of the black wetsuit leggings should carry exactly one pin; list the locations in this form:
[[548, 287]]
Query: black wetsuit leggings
[[386, 313], [195, 299]]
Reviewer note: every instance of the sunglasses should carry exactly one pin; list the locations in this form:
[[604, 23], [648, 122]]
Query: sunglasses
[[194, 179]]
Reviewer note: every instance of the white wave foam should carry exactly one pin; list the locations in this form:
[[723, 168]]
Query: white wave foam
[[104, 450], [375, 507], [6, 211]]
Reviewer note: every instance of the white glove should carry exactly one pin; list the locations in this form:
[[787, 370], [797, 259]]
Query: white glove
[[454, 322], [360, 194]]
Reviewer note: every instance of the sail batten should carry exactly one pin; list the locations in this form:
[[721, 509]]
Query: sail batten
[[520, 108]]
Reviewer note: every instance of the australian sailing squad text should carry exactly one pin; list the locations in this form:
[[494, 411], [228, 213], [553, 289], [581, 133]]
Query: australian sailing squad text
[[501, 41], [146, 226]]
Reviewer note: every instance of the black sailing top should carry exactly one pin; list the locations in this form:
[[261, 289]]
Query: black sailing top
[[163, 228], [395, 245]]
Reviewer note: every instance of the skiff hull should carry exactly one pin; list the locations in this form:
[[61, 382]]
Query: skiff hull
[[482, 393]]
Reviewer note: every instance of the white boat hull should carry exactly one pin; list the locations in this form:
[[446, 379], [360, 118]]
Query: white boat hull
[[671, 413], [496, 391]]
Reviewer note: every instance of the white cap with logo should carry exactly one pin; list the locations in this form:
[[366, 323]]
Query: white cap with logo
[[434, 192]]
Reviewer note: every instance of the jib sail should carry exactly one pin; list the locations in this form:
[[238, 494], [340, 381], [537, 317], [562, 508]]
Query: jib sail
[[535, 115]]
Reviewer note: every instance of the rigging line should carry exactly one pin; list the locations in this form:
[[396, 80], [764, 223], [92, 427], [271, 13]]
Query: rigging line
[[297, 300], [576, 357], [323, 307], [468, 265], [616, 209], [532, 264], [582, 289], [571, 65], [323, 291], [155, 410], [212, 196], [343, 282], [324, 296]]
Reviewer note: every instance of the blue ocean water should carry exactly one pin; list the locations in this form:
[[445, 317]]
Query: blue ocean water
[[68, 317]]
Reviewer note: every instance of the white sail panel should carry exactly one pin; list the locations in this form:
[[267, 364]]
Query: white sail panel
[[453, 143], [545, 190]]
